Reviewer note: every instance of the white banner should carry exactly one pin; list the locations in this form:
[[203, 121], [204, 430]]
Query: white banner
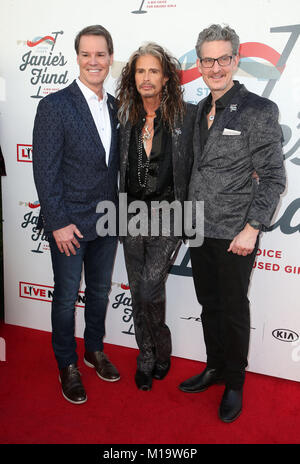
[[38, 57]]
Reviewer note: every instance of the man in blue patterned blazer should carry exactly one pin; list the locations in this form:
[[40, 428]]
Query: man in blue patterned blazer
[[236, 134], [75, 163]]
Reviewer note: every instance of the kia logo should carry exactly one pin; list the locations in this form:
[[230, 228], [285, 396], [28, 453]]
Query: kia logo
[[285, 335]]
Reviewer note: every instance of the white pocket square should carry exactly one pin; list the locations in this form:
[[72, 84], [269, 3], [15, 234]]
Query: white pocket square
[[231, 132]]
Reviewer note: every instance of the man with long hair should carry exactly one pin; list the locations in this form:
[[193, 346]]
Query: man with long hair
[[155, 165]]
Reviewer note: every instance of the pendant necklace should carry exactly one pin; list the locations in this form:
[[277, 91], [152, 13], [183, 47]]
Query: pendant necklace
[[211, 117], [146, 135], [141, 142], [142, 138]]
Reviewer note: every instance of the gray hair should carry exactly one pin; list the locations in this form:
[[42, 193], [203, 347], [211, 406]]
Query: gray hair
[[152, 48], [129, 99], [217, 32]]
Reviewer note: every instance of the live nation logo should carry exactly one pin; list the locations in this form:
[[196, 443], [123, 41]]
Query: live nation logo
[[45, 64], [121, 301], [29, 224], [24, 153], [151, 4], [44, 293]]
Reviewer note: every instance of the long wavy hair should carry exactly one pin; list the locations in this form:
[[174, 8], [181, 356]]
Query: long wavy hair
[[129, 100]]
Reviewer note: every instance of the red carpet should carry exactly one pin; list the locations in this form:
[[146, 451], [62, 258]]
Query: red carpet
[[33, 411]]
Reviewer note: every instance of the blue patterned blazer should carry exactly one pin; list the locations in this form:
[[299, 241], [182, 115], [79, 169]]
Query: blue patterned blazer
[[69, 166]]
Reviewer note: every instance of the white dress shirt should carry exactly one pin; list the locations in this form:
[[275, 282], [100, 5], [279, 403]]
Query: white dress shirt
[[100, 115]]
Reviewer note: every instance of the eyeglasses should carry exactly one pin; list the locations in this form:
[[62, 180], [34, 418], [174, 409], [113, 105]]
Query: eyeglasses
[[222, 61]]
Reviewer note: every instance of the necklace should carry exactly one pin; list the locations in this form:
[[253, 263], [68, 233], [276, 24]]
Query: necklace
[[211, 117], [141, 140], [146, 135]]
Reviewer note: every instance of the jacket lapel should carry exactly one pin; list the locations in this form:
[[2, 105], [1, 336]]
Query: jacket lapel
[[176, 141], [178, 159], [197, 136], [86, 116], [230, 118], [114, 126], [124, 148]]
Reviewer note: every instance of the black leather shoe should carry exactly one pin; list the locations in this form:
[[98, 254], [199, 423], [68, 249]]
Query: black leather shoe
[[72, 388], [143, 381], [231, 405], [202, 381], [160, 370], [104, 368]]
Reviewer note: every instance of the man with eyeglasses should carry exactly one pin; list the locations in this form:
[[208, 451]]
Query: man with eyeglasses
[[236, 134]]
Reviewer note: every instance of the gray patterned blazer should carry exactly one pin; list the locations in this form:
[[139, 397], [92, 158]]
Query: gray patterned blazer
[[245, 138]]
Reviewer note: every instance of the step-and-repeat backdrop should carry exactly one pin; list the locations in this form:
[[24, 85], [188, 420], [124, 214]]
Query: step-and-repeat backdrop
[[38, 57]]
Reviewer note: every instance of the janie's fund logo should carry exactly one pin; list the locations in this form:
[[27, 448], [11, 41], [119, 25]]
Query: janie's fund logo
[[45, 64], [29, 224]]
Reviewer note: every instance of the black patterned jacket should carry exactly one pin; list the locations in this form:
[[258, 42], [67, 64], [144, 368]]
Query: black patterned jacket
[[182, 153]]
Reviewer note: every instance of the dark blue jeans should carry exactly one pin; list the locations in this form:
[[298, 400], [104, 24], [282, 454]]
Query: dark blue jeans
[[97, 258]]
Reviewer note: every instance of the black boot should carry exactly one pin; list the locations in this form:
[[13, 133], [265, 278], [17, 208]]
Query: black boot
[[160, 370], [143, 380], [202, 381], [231, 405]]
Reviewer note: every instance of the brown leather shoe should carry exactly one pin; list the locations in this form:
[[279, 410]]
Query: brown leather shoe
[[72, 388], [104, 368]]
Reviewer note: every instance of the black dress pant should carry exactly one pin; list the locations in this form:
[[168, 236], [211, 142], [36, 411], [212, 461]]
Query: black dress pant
[[148, 260], [221, 280]]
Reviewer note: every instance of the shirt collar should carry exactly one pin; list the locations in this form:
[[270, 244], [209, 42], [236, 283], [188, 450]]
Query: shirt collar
[[144, 114], [89, 94], [223, 101]]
